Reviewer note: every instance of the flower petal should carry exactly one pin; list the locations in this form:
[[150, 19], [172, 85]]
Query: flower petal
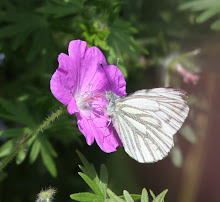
[[86, 128], [72, 107], [64, 81], [97, 129], [88, 65], [116, 80], [109, 78]]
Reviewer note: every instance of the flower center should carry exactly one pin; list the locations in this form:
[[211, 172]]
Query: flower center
[[86, 101]]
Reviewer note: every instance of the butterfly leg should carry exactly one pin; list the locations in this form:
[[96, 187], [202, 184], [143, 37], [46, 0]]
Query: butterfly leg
[[109, 122]]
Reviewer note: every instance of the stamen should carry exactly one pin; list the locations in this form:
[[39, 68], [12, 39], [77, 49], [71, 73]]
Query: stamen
[[89, 101]]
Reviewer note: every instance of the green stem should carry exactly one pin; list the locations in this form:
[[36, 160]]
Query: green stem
[[26, 138], [167, 79]]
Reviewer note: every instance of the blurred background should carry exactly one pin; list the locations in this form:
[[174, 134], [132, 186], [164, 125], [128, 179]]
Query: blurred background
[[158, 43]]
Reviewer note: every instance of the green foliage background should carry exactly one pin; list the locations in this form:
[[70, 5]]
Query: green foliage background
[[33, 33]]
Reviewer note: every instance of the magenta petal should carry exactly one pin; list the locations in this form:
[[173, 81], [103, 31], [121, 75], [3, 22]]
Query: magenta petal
[[77, 49], [63, 83], [72, 107], [115, 80], [97, 128], [86, 129], [88, 65], [57, 89], [104, 135]]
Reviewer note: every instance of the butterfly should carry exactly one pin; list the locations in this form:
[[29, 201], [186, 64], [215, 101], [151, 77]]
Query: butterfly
[[147, 120]]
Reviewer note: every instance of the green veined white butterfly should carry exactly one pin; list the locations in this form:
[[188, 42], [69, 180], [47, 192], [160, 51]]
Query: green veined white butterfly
[[146, 121]]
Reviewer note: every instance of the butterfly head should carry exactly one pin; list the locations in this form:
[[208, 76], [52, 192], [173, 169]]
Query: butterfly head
[[111, 98]]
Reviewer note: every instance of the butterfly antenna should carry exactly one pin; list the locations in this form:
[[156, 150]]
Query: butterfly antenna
[[116, 71]]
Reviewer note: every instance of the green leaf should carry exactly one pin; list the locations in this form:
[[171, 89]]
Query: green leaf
[[7, 105], [57, 11], [11, 17], [89, 170], [91, 182], [17, 111], [23, 152], [39, 38], [101, 43], [113, 196], [21, 156], [103, 178], [152, 194], [61, 8], [134, 197], [121, 41], [11, 30], [176, 155], [91, 173], [35, 150], [3, 175], [14, 132], [198, 5], [82, 168], [7, 148], [21, 37], [47, 145], [161, 196], [86, 197], [48, 162], [100, 187], [144, 195], [21, 23], [215, 25], [127, 196], [207, 14], [187, 132]]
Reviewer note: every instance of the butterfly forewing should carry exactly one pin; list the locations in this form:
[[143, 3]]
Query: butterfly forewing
[[147, 120]]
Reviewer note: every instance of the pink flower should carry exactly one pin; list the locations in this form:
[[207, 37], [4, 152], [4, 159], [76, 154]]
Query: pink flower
[[188, 77], [80, 83]]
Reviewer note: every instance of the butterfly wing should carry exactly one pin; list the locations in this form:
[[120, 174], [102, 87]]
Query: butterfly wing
[[147, 120]]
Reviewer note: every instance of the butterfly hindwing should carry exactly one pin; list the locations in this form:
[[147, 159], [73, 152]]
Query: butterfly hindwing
[[147, 120]]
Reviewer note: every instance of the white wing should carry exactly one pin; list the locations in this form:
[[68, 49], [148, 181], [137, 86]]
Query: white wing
[[147, 120]]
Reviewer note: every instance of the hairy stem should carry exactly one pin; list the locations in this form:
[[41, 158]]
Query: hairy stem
[[26, 137]]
